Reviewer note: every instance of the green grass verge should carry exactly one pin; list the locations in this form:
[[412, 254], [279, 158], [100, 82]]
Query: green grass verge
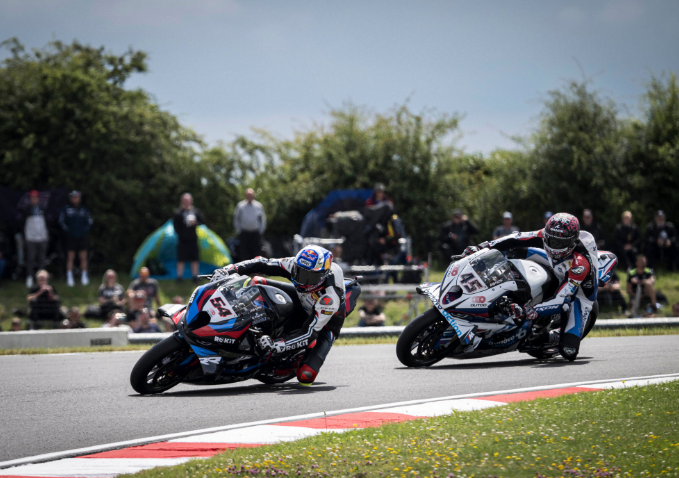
[[629, 432]]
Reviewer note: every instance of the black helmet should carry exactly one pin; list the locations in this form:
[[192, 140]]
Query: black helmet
[[560, 235]]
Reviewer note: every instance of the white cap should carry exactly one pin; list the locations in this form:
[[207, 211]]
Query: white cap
[[507, 215]]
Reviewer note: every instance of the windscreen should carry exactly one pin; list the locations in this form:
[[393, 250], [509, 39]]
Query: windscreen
[[492, 268]]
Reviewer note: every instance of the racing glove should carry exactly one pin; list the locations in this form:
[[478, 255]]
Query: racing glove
[[469, 251], [223, 273], [265, 344]]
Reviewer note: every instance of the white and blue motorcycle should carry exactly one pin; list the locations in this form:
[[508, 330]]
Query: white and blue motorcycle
[[469, 319]]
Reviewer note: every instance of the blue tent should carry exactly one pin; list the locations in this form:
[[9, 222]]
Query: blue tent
[[338, 200], [159, 253]]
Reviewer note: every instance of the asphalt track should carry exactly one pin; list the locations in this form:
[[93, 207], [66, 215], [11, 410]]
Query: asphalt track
[[51, 403]]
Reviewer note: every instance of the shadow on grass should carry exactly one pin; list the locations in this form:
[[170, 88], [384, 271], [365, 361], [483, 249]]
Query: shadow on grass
[[222, 391]]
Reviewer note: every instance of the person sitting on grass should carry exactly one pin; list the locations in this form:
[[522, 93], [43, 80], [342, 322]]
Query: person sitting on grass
[[114, 320], [144, 324], [43, 300], [111, 294], [16, 324], [73, 321], [611, 295], [644, 276], [371, 314]]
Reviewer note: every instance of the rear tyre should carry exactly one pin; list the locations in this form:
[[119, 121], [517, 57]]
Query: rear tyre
[[418, 345], [157, 370]]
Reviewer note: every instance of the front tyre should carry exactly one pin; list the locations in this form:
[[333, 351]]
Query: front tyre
[[420, 343], [157, 370]]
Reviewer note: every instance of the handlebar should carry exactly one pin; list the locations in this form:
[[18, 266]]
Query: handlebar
[[353, 281]]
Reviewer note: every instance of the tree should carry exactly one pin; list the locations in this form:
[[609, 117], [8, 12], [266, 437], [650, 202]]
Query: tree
[[66, 121]]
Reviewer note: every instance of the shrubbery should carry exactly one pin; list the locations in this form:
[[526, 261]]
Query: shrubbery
[[67, 121]]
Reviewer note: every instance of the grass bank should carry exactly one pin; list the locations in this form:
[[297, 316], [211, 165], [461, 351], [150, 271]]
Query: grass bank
[[628, 432]]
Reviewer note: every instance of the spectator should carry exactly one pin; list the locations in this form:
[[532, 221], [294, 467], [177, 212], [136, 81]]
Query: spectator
[[675, 311], [643, 275], [178, 300], [185, 221], [114, 320], [249, 221], [611, 295], [379, 195], [594, 228], [146, 285], [371, 314], [144, 324], [36, 236], [135, 304], [75, 220], [43, 300], [455, 236], [661, 242], [506, 228], [626, 241], [73, 321], [111, 296], [16, 324]]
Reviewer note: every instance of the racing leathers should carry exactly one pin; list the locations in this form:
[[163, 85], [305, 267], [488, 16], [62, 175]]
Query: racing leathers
[[318, 317], [578, 282]]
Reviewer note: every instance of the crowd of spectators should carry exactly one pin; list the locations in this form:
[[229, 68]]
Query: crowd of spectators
[[659, 244], [131, 307]]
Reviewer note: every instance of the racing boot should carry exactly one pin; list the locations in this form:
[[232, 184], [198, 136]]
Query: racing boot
[[569, 345], [314, 358]]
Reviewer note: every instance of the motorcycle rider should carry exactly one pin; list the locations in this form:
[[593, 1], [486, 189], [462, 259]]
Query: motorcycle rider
[[319, 285], [572, 255]]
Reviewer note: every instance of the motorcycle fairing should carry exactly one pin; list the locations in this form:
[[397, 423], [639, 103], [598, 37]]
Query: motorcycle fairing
[[463, 329]]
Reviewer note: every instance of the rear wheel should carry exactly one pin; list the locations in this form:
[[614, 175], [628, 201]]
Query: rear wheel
[[420, 343], [158, 369]]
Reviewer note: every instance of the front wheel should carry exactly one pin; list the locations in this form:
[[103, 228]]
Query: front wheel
[[157, 370], [421, 344]]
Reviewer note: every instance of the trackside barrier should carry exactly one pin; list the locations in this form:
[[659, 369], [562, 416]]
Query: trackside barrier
[[395, 331], [44, 339]]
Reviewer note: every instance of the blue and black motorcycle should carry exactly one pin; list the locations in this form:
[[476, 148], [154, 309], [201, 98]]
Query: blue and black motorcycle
[[469, 320], [216, 338]]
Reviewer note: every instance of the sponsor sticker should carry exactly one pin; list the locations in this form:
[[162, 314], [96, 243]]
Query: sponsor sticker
[[304, 262], [224, 340], [479, 299], [298, 345], [578, 270], [327, 312]]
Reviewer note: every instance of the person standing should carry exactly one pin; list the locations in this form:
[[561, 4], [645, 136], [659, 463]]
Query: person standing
[[455, 236], [379, 195], [36, 236], [661, 242], [594, 228], [185, 221], [626, 241], [506, 228], [249, 220], [76, 221]]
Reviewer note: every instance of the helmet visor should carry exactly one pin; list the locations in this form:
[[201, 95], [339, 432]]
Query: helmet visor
[[306, 277], [559, 242]]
